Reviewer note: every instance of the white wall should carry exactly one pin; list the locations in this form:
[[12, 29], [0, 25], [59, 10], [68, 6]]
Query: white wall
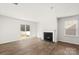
[[47, 23], [61, 37], [41, 13], [10, 28]]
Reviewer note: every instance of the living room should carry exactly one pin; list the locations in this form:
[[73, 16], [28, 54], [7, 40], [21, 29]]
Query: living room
[[39, 28]]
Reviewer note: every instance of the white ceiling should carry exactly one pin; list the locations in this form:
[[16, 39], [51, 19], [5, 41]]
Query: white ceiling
[[31, 11], [67, 9]]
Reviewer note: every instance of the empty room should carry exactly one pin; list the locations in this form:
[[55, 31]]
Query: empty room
[[39, 28]]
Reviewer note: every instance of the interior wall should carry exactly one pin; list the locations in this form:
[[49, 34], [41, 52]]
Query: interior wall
[[48, 23], [61, 37], [39, 12], [44, 13], [10, 28]]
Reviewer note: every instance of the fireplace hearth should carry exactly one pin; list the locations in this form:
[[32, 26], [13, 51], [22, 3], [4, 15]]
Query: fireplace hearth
[[48, 36]]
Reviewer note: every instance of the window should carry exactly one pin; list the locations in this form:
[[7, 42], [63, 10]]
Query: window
[[22, 27], [27, 28], [70, 27], [25, 31]]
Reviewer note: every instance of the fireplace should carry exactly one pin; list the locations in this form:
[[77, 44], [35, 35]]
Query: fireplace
[[48, 36]]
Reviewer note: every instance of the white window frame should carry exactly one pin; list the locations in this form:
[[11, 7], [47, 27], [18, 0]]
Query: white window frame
[[76, 29]]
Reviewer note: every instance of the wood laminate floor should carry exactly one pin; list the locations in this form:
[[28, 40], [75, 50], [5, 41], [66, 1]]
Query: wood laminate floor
[[38, 47]]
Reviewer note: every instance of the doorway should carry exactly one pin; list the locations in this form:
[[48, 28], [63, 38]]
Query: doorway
[[25, 31]]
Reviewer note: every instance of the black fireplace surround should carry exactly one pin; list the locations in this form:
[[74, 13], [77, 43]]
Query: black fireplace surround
[[48, 36]]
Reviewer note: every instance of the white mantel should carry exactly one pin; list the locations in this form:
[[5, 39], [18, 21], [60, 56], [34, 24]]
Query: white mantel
[[54, 35]]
